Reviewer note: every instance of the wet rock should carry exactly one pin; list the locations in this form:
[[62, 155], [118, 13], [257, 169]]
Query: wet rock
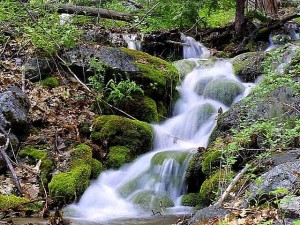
[[194, 176], [208, 213], [38, 68], [184, 66], [248, 66], [282, 177], [223, 90]]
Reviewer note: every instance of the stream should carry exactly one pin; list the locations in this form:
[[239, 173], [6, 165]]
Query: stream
[[155, 182]]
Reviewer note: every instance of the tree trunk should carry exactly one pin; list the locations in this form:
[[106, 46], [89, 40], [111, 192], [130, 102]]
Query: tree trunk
[[91, 11], [239, 16]]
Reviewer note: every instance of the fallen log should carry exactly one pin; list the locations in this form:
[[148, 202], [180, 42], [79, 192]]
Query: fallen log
[[90, 11]]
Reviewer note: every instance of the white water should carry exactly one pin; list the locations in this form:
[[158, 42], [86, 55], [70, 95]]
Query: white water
[[188, 129], [193, 49], [134, 41]]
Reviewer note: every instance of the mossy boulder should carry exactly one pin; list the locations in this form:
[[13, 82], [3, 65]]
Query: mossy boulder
[[72, 183], [223, 90], [97, 168], [34, 155], [185, 66], [211, 186], [191, 199], [149, 200], [248, 66], [120, 131], [194, 176], [142, 108], [178, 156], [157, 77], [201, 84], [20, 203], [128, 188], [118, 156]]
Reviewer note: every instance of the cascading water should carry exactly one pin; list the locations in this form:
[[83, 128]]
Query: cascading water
[[134, 41], [193, 49], [156, 179]]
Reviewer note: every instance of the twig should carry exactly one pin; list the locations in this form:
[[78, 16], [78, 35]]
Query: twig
[[4, 47], [231, 185], [144, 17], [23, 81], [6, 158], [195, 24]]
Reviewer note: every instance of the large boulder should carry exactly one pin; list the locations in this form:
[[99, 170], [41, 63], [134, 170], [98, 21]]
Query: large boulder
[[136, 136], [38, 68], [157, 77], [248, 66], [208, 213], [223, 90]]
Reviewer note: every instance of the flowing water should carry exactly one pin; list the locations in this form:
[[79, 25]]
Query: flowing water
[[155, 181]]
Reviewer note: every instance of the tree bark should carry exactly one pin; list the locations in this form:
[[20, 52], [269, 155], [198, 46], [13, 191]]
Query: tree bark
[[91, 11], [239, 16]]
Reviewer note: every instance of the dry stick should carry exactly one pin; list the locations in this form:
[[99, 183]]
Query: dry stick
[[4, 47], [144, 17], [231, 185], [6, 158]]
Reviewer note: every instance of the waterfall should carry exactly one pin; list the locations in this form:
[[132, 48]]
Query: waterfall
[[193, 49], [159, 176], [134, 41]]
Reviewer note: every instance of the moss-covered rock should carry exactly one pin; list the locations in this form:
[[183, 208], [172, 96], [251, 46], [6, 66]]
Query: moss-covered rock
[[248, 66], [119, 131], [51, 82], [184, 66], [149, 200], [160, 157], [21, 203], [158, 77], [34, 155], [142, 108], [191, 199], [128, 188], [210, 187], [118, 156], [97, 168], [223, 90], [194, 176], [72, 184], [201, 84]]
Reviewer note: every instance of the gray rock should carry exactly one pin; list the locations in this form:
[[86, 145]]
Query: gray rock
[[208, 213], [111, 57], [284, 176], [14, 106], [290, 206], [248, 66]]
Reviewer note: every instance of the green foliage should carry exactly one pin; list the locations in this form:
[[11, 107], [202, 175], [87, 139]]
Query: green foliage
[[217, 18], [49, 35], [122, 90], [51, 82], [97, 168]]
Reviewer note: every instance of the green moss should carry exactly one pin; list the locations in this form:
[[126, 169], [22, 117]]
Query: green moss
[[211, 161], [12, 201], [157, 77], [34, 155], [184, 66], [194, 176], [191, 199], [120, 131], [141, 107], [210, 187], [97, 168], [160, 157], [50, 82], [118, 156], [72, 184], [128, 188]]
